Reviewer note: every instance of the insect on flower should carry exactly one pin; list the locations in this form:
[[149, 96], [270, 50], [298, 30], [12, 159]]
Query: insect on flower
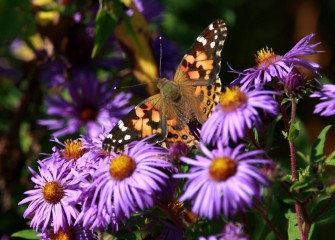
[[189, 98]]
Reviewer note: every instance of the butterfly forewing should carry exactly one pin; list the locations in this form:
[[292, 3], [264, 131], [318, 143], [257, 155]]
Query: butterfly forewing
[[202, 62], [143, 121]]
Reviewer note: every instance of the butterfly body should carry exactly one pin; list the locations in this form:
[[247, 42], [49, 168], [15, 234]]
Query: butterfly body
[[189, 98]]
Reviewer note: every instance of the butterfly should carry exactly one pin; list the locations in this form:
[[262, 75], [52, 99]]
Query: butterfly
[[189, 98]]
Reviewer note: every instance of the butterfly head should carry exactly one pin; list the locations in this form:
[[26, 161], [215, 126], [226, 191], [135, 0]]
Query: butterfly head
[[169, 89]]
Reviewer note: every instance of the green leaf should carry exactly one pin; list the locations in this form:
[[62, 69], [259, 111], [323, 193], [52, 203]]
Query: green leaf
[[312, 233], [293, 229], [16, 18], [26, 234], [105, 23], [327, 214], [305, 181], [330, 160], [317, 150], [294, 131]]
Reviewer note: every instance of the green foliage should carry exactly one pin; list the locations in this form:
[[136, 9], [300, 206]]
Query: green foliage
[[25, 234], [293, 231], [317, 153], [105, 23], [294, 131], [15, 19]]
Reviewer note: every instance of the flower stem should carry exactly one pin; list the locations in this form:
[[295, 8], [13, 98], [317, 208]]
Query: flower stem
[[294, 167], [269, 223], [293, 159]]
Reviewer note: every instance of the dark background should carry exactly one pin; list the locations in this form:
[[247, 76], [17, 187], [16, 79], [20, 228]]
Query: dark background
[[252, 25]]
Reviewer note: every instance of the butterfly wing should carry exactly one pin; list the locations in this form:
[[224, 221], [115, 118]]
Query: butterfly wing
[[198, 77], [202, 63], [145, 120]]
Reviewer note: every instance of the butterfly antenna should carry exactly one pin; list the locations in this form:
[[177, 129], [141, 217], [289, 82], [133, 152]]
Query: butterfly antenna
[[136, 85], [160, 56]]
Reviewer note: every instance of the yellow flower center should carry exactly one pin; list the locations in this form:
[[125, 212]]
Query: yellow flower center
[[53, 192], [222, 168], [73, 149], [265, 57], [122, 167], [61, 235], [232, 99]]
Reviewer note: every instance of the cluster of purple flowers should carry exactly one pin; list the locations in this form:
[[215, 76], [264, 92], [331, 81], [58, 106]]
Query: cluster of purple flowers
[[80, 188]]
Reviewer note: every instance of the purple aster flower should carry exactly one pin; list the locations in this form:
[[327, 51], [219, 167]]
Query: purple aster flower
[[51, 73], [151, 9], [49, 200], [231, 232], [129, 182], [327, 97], [270, 65], [73, 233], [237, 111], [92, 104], [178, 150], [90, 216], [223, 181]]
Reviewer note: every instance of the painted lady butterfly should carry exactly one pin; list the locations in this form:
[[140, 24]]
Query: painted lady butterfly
[[189, 98]]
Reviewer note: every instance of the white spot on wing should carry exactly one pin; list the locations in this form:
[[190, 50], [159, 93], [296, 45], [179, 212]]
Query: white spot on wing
[[120, 141], [122, 127], [202, 40], [127, 137], [211, 27], [109, 136], [212, 44]]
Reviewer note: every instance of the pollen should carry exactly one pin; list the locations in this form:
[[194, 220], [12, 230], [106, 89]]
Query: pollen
[[222, 168], [265, 57], [232, 99], [73, 149], [177, 208], [62, 235], [122, 167], [53, 192]]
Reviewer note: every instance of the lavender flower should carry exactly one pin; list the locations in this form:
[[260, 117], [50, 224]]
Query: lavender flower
[[151, 9], [327, 97], [237, 111], [91, 105], [128, 182], [270, 65], [231, 232], [49, 200], [223, 181], [51, 73]]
